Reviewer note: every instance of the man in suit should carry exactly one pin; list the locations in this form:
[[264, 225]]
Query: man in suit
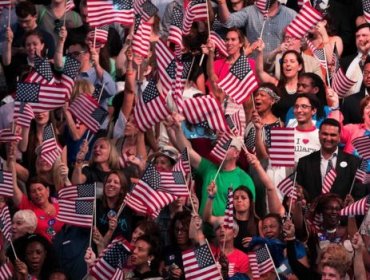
[[351, 105], [353, 64], [312, 169]]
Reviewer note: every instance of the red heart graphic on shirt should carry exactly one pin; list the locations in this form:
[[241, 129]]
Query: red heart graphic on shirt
[[305, 141]]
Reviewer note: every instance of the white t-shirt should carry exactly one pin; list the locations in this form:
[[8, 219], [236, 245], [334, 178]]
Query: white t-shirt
[[305, 142]]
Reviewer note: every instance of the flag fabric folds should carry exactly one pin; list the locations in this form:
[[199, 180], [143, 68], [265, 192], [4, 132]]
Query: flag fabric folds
[[199, 264], [260, 262], [83, 191], [219, 152], [6, 271], [366, 9], [103, 12], [70, 71], [196, 11], [76, 212], [146, 193], [151, 107], [286, 186], [166, 66], [341, 83], [281, 146], [360, 207], [6, 183], [219, 44], [112, 259], [42, 98], [50, 149], [362, 145], [141, 37], [205, 108], [100, 34], [229, 211], [88, 111], [307, 17], [175, 30], [23, 114], [7, 135], [173, 182], [42, 73], [70, 5], [318, 53], [361, 173], [240, 82], [6, 223]]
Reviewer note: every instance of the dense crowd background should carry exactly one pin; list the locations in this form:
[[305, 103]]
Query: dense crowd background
[[310, 218]]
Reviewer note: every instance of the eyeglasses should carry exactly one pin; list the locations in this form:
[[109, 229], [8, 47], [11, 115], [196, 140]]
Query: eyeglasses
[[76, 54], [180, 229], [303, 106], [57, 25]]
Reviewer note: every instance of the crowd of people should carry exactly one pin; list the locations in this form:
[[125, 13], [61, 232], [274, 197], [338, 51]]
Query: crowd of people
[[316, 230]]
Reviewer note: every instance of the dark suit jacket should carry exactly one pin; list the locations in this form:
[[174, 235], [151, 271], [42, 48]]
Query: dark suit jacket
[[309, 175], [346, 61], [351, 107]]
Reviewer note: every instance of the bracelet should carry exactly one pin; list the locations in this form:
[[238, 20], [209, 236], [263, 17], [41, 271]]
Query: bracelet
[[211, 197]]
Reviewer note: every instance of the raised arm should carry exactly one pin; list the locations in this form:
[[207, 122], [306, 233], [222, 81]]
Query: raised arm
[[273, 200], [77, 176], [7, 48], [76, 133], [179, 140], [261, 73], [58, 55], [17, 197], [207, 212], [223, 11]]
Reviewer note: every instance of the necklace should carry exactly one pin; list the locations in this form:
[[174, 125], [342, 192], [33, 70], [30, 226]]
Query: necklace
[[331, 230]]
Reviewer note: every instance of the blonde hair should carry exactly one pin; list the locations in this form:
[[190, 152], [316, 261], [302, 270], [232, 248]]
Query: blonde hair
[[29, 219], [338, 258], [113, 159], [81, 86]]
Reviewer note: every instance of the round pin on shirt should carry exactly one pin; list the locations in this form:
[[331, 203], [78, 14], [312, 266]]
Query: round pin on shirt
[[343, 164]]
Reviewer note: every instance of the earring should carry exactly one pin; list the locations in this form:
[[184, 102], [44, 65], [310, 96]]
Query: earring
[[149, 262]]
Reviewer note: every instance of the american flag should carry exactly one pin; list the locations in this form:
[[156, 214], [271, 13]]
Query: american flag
[[100, 13], [234, 123], [229, 211], [260, 262], [263, 6], [76, 212], [7, 135], [287, 187], [360, 207], [335, 59], [23, 113], [196, 11], [319, 54], [146, 192], [178, 90], [250, 140], [240, 82], [174, 182], [151, 107], [366, 8], [362, 145], [141, 37], [329, 179], [199, 264], [100, 34], [88, 111], [361, 173], [42, 73], [166, 66], [6, 183], [219, 44], [341, 83], [50, 149], [175, 30], [42, 98], [218, 153], [307, 17], [70, 5], [183, 164], [6, 223], [145, 9], [281, 146], [205, 108], [83, 191], [6, 271], [70, 71], [5, 3], [113, 258]]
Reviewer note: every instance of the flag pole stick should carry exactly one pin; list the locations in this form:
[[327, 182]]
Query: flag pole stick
[[352, 185], [191, 67], [94, 217], [94, 43], [213, 257], [10, 14], [326, 68], [13, 249], [291, 200], [65, 13], [209, 32], [189, 191], [263, 26], [219, 168], [268, 251]]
